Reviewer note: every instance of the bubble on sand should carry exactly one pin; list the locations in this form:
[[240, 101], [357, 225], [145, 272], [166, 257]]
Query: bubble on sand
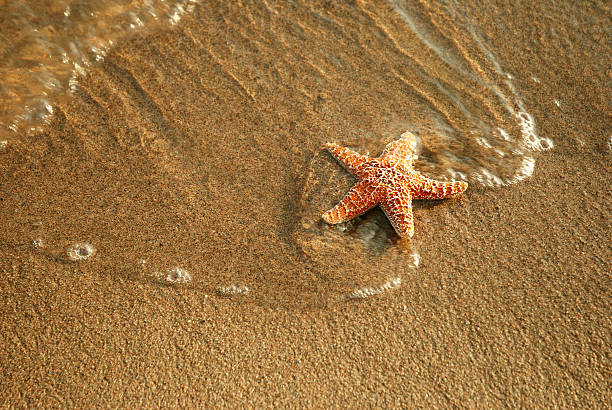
[[173, 276], [362, 293], [232, 290], [416, 259], [530, 137], [80, 251], [37, 243]]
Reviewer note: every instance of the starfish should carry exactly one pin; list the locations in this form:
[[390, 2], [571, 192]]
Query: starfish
[[389, 181]]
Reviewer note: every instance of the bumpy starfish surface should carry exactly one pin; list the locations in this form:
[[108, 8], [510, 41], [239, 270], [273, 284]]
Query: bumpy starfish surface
[[389, 181]]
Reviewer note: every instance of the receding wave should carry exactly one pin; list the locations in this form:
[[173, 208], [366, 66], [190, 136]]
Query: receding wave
[[260, 87], [45, 48], [482, 131]]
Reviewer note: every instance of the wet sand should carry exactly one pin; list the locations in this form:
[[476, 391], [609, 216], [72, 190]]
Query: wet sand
[[201, 147]]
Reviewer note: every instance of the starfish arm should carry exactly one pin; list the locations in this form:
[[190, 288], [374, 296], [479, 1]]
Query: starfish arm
[[403, 149], [351, 160], [357, 201], [430, 189], [398, 208]]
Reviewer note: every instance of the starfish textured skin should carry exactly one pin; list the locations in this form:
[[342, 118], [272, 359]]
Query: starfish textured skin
[[389, 181]]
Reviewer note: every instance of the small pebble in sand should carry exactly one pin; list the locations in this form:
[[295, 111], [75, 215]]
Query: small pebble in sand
[[80, 251], [3, 146]]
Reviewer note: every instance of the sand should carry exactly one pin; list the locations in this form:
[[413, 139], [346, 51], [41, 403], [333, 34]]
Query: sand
[[199, 147]]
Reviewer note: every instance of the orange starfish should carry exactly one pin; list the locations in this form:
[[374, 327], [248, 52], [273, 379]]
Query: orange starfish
[[388, 181]]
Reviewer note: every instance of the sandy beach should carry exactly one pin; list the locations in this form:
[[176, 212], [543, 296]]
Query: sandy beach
[[162, 243]]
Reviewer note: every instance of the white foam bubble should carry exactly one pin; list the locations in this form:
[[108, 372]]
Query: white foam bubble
[[362, 293], [233, 290], [416, 259], [37, 243], [80, 251], [528, 131], [175, 275]]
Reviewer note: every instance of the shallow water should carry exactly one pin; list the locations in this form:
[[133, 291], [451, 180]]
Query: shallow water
[[428, 69], [448, 86], [472, 123], [48, 45]]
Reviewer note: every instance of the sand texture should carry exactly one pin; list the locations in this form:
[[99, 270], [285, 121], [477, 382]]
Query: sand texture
[[161, 241]]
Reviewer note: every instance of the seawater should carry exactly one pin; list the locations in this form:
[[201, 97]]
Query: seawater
[[483, 133], [475, 127], [46, 46]]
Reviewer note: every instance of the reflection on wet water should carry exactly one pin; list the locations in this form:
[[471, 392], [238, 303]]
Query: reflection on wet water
[[46, 45]]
